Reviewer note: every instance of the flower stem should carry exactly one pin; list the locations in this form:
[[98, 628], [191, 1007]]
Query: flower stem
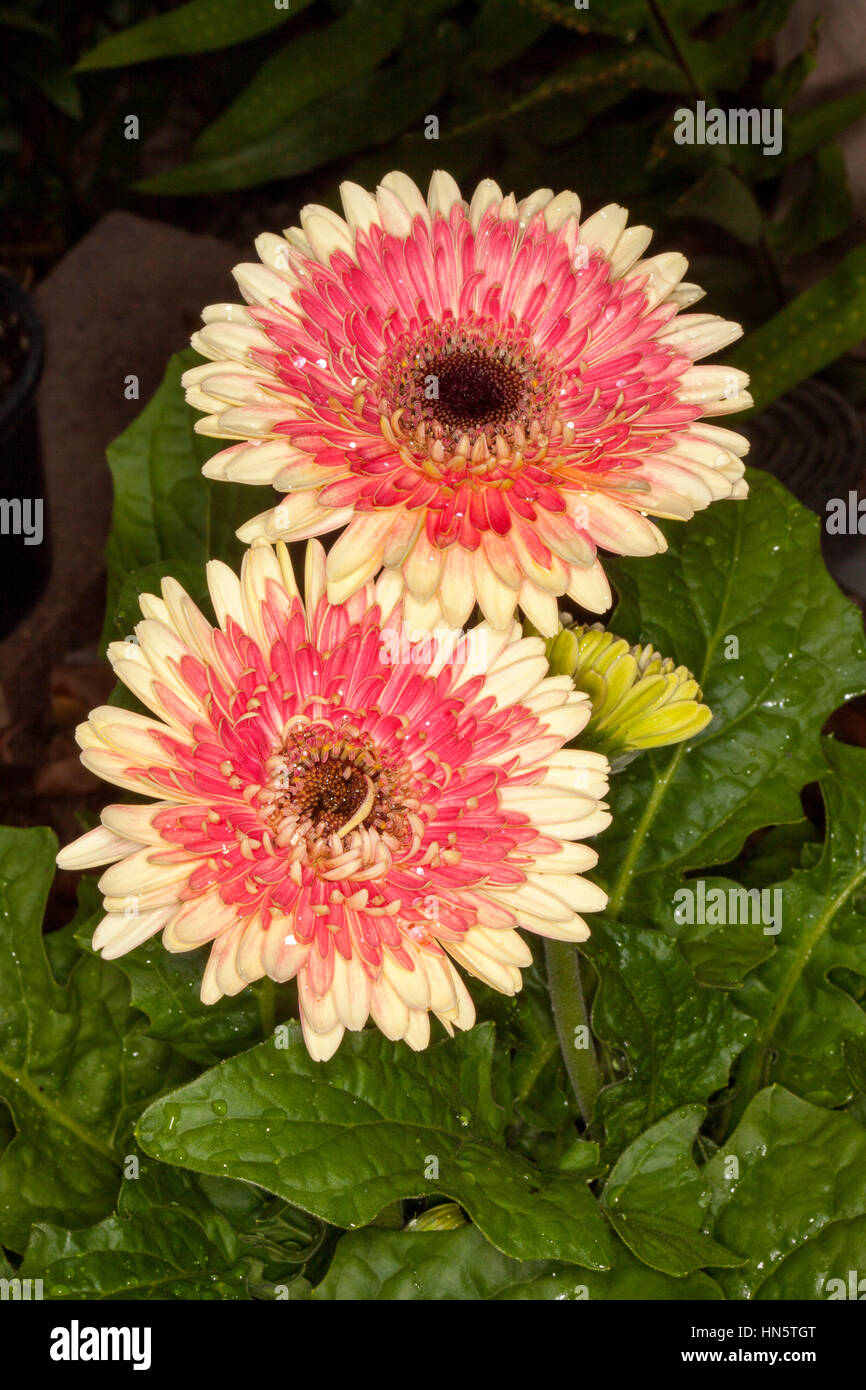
[[570, 1013]]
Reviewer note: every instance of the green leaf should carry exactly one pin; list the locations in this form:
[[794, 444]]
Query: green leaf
[[721, 955], [750, 571], [781, 87], [502, 31], [197, 27], [823, 209], [343, 1141], [167, 518], [789, 1193], [622, 18], [449, 1265], [724, 62], [584, 89], [167, 987], [809, 333], [804, 131], [656, 1198], [678, 1038], [75, 1066], [721, 197], [783, 849], [803, 1015], [165, 1241], [306, 70], [57, 85], [528, 1048], [369, 111]]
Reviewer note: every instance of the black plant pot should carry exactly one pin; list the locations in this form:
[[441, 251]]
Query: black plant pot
[[813, 440], [25, 555]]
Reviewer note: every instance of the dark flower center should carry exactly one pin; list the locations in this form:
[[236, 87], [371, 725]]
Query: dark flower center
[[469, 390], [327, 793], [324, 781]]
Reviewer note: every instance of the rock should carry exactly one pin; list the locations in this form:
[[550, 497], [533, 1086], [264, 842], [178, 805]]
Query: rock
[[118, 304]]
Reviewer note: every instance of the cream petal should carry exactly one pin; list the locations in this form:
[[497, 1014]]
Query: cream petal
[[540, 608], [322, 1046], [98, 846], [443, 193], [351, 988], [417, 1034], [117, 935], [412, 986], [360, 207], [603, 229]]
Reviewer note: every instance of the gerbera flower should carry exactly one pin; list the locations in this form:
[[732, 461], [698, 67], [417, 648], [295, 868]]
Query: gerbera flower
[[340, 802], [640, 699], [481, 393]]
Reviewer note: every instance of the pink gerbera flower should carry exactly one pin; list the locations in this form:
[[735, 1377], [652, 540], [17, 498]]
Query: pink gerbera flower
[[481, 394], [338, 802]]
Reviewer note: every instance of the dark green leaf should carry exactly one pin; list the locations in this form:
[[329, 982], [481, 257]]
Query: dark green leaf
[[584, 89], [781, 87], [678, 1038], [344, 1140], [789, 1193], [75, 1066], [501, 31], [721, 954], [804, 131], [720, 196], [305, 71], [809, 333], [402, 1266], [823, 209], [803, 1016], [657, 1199], [166, 1241], [196, 27], [166, 988], [750, 571], [365, 113]]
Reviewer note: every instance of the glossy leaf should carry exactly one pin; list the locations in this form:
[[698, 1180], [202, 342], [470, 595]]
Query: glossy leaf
[[75, 1065], [450, 1265], [165, 1241], [167, 988], [656, 1198], [743, 600], [804, 1016], [789, 1194], [344, 1140], [678, 1038]]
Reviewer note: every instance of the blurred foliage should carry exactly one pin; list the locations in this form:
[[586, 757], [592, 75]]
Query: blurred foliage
[[283, 99]]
